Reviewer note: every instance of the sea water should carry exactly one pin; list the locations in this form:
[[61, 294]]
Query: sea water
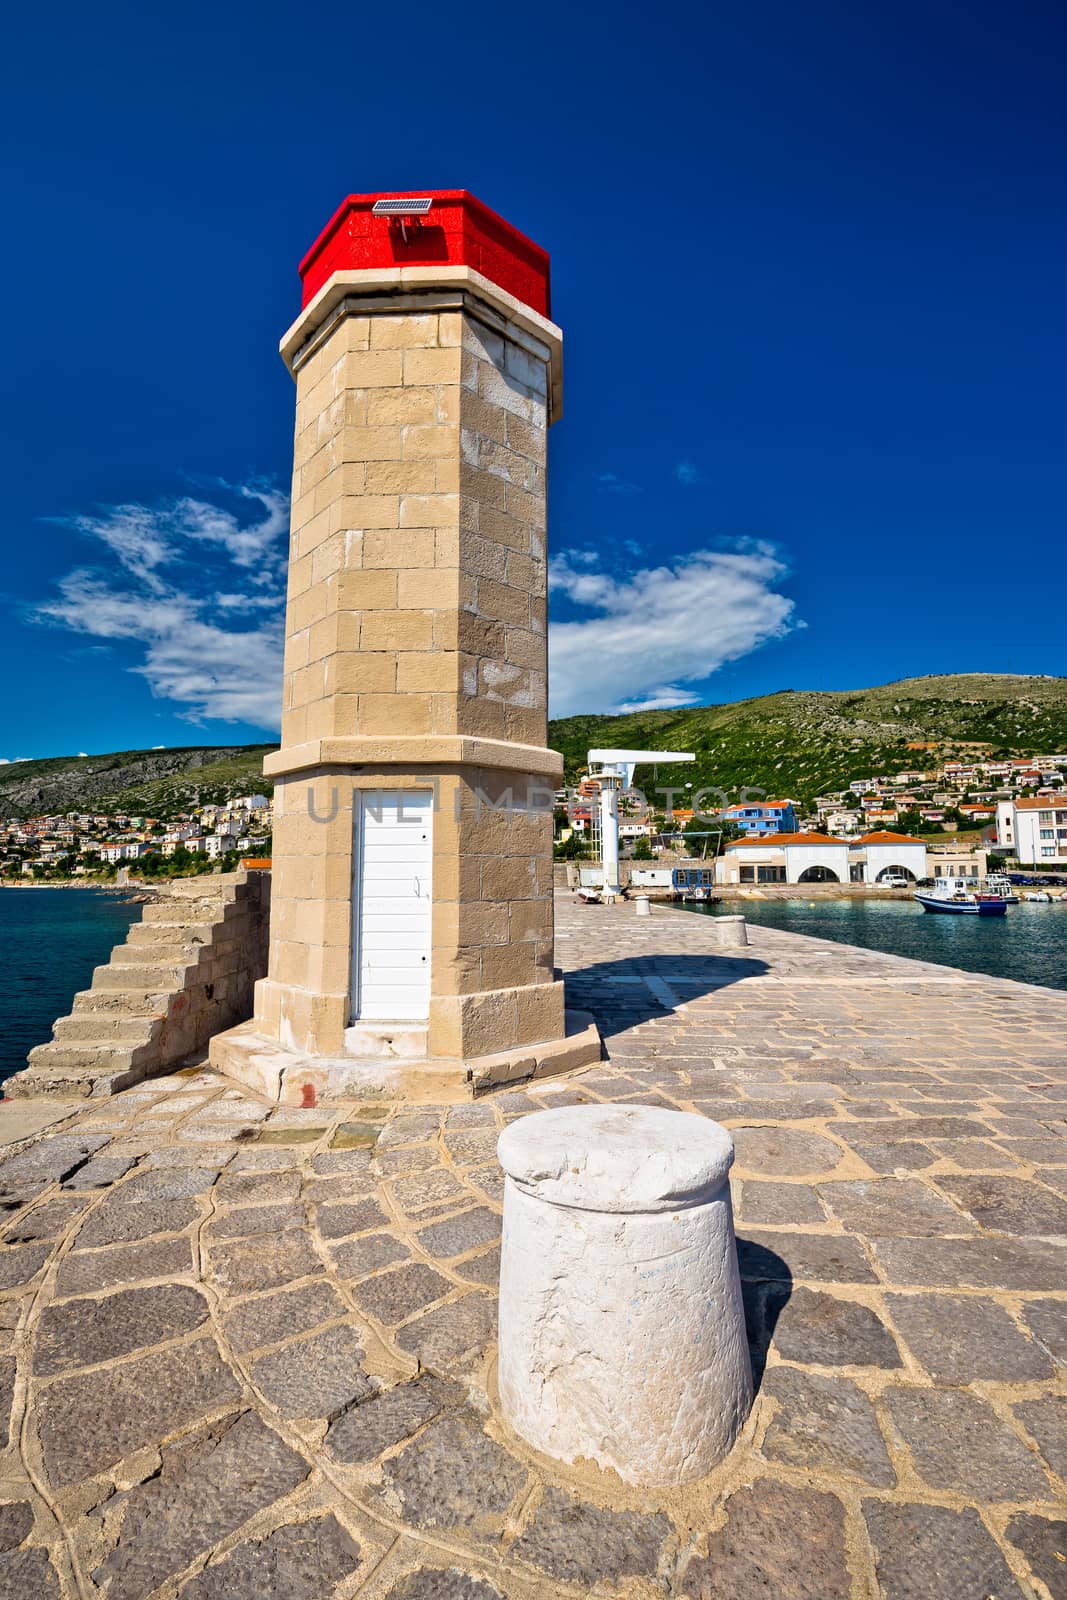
[[1029, 943]]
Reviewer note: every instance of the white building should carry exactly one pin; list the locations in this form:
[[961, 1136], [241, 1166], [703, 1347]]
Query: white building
[[877, 856], [217, 844], [784, 858], [819, 858], [1034, 831]]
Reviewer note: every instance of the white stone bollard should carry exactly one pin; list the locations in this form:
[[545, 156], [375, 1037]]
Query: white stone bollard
[[644, 906], [733, 931], [622, 1331]]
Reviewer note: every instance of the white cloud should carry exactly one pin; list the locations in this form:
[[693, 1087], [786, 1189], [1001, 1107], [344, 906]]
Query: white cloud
[[174, 589], [688, 473], [611, 483], [656, 630]]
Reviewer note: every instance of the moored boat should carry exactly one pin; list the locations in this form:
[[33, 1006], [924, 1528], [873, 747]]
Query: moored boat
[[951, 895]]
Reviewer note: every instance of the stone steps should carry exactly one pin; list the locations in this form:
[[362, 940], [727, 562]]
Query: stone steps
[[175, 953], [159, 977], [161, 996], [153, 933], [123, 1002]]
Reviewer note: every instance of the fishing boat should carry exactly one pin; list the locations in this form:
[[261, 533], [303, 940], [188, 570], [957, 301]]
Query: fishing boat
[[951, 895], [1000, 886]]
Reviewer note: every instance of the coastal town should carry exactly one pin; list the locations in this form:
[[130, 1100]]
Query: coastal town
[[958, 820], [88, 845]]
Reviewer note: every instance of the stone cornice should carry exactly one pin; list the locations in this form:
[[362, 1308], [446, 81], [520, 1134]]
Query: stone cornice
[[433, 750], [385, 291]]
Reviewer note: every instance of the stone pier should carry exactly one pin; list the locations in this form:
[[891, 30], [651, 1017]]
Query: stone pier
[[249, 1349]]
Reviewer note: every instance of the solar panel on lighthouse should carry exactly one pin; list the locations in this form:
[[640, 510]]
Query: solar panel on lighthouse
[[401, 208]]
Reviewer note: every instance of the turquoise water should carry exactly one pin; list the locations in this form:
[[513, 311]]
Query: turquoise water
[[1028, 944], [51, 940]]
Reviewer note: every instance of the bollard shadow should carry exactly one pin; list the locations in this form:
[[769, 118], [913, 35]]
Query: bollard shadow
[[635, 989], [766, 1284]]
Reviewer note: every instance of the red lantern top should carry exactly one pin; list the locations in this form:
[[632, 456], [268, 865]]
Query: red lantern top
[[456, 230]]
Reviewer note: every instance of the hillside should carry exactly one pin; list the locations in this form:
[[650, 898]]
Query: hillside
[[796, 742], [801, 743], [154, 783]]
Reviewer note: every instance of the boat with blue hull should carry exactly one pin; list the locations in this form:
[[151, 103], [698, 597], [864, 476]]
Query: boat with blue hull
[[954, 898]]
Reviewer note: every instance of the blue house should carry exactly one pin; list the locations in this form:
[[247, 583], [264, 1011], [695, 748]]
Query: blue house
[[765, 816]]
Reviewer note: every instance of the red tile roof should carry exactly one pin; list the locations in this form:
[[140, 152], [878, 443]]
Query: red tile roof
[[1042, 803], [765, 839]]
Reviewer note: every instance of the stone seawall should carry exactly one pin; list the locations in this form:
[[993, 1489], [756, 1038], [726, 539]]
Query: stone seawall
[[185, 973]]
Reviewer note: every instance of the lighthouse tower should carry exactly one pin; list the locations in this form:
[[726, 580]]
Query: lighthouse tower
[[411, 916]]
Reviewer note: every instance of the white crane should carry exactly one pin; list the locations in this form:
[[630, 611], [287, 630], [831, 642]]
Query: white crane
[[617, 772]]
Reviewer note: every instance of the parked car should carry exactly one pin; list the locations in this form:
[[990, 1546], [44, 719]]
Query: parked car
[[895, 881]]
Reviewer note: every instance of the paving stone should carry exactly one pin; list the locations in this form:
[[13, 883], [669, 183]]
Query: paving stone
[[453, 1337], [457, 1235], [168, 1183], [50, 1160], [28, 1575], [884, 1207], [263, 1263], [89, 1422], [375, 1425], [330, 1162], [1044, 1544], [780, 1202], [438, 1583], [1047, 1320], [415, 1127], [337, 1222], [79, 1333], [828, 1258], [20, 1263], [781, 1151], [16, 1522], [1045, 1419], [101, 1172], [235, 1188], [198, 1155], [481, 1269], [585, 1544], [902, 1129], [274, 1317], [45, 1222], [356, 1257], [7, 1396], [825, 1424], [317, 1376], [245, 1221], [780, 1542], [210, 1483], [425, 1188], [86, 1271], [888, 1157], [490, 1180], [926, 1552], [973, 1263], [958, 1442], [973, 1155], [964, 1339], [394, 1295], [822, 1329], [454, 1476], [116, 1221], [303, 1561], [1010, 1205]]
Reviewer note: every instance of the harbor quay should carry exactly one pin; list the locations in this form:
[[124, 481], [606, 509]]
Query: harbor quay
[[249, 1349]]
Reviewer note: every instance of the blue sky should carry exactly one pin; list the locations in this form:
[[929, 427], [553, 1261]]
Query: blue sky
[[809, 262]]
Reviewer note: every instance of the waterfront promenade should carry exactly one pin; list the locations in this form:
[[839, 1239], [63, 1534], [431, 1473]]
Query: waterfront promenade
[[249, 1352]]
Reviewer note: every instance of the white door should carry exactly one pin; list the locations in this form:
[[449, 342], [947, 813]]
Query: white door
[[391, 905]]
